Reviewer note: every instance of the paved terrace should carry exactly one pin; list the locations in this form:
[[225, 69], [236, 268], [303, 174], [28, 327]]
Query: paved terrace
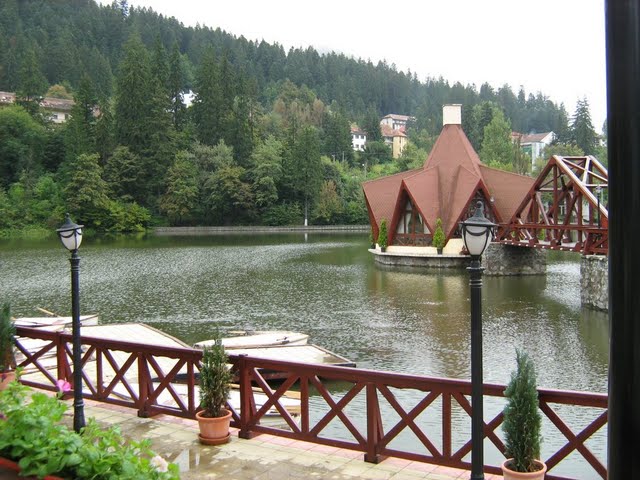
[[261, 458]]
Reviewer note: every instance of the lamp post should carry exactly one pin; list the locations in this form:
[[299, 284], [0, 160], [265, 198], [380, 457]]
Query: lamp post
[[477, 233], [71, 236], [598, 191]]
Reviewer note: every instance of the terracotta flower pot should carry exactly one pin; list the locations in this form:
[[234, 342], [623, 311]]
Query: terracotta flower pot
[[6, 378], [509, 474], [214, 430]]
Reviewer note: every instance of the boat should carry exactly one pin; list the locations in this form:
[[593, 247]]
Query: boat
[[259, 339], [54, 323]]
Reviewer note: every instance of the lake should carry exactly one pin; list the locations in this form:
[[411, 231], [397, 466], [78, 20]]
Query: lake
[[326, 285]]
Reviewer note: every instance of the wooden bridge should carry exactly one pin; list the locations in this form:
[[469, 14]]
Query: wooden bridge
[[565, 209]]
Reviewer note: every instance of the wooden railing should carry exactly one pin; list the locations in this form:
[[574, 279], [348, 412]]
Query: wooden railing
[[350, 408]]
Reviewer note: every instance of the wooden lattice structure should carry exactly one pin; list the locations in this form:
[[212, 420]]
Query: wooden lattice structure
[[566, 209]]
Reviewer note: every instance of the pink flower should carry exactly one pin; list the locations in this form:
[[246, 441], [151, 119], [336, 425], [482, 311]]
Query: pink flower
[[63, 385], [159, 463]]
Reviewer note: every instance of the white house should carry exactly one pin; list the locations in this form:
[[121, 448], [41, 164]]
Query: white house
[[533, 143], [358, 138]]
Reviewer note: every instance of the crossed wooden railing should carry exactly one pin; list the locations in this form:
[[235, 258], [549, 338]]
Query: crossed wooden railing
[[154, 379]]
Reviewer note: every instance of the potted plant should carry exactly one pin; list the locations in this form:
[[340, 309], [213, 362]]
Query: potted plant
[[382, 235], [522, 422], [371, 240], [438, 237], [7, 341], [215, 378]]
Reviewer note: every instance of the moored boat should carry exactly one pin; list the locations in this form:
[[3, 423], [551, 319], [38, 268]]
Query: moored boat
[[259, 339]]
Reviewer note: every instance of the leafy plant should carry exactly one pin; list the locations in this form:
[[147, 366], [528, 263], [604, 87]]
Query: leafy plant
[[371, 241], [215, 379], [522, 419], [7, 333], [33, 435], [382, 235], [438, 235]]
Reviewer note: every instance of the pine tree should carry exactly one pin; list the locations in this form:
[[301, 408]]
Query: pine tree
[[32, 84], [582, 132], [80, 129], [175, 85], [207, 105]]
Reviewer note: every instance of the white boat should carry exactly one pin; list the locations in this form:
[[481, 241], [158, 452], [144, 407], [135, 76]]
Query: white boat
[[259, 339], [54, 323]]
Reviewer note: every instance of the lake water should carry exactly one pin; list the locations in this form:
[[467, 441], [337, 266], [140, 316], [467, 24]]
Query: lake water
[[403, 320]]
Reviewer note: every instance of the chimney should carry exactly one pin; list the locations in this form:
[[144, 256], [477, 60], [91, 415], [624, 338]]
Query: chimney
[[452, 114]]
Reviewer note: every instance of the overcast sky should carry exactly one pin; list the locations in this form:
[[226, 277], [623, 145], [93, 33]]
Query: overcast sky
[[553, 46]]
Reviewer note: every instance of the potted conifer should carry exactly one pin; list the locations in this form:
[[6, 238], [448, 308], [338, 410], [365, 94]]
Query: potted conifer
[[215, 378], [7, 341], [522, 422], [382, 235], [438, 237]]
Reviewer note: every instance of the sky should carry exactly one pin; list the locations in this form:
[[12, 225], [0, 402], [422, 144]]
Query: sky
[[556, 47]]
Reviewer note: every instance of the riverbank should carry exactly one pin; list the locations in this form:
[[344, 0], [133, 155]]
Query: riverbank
[[247, 230]]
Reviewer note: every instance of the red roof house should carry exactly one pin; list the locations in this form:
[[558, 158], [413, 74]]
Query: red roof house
[[452, 180]]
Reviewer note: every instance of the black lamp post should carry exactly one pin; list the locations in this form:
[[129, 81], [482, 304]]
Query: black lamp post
[[71, 236], [477, 233]]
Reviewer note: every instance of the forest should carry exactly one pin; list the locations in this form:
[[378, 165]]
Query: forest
[[178, 125]]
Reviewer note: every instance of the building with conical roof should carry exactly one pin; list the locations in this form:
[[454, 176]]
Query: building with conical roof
[[452, 180]]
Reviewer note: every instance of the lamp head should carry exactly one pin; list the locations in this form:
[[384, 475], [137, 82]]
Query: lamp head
[[477, 231], [70, 234]]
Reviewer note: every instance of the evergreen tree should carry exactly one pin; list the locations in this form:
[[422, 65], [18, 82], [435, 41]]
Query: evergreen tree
[[175, 85], [266, 172], [337, 137], [86, 193], [123, 174], [497, 148], [582, 131], [207, 105], [180, 199], [31, 84], [142, 118], [371, 126], [80, 129], [133, 97]]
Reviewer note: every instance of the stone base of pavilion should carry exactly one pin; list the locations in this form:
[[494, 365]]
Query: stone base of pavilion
[[424, 257]]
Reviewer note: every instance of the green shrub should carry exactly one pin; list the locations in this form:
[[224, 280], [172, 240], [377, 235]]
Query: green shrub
[[7, 332], [215, 379], [522, 419], [382, 234], [33, 435], [438, 236]]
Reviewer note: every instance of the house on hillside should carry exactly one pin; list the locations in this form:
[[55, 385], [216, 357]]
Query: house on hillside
[[532, 144], [395, 121], [58, 109], [447, 187], [396, 139], [358, 138]]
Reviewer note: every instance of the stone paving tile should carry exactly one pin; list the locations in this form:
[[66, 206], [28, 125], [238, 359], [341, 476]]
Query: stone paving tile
[[264, 457]]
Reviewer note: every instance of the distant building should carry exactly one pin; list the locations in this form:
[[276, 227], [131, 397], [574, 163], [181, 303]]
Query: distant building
[[396, 122], [395, 138], [358, 139], [58, 109], [533, 143]]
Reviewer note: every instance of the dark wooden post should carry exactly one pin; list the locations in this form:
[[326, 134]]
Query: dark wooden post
[[374, 425], [623, 128], [246, 396]]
